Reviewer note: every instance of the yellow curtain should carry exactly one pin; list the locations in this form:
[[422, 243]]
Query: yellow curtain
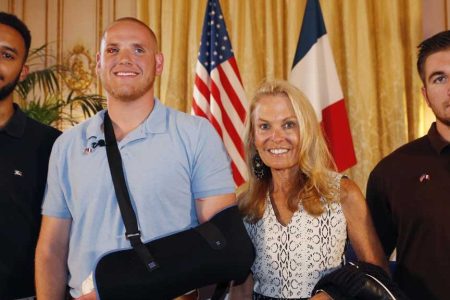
[[374, 44]]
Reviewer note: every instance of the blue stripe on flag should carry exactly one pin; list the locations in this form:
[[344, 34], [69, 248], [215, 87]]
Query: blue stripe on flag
[[313, 28]]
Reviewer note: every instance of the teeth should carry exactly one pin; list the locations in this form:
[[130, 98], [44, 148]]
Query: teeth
[[278, 151], [126, 73]]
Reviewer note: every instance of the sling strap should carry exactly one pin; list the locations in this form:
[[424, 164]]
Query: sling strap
[[132, 232]]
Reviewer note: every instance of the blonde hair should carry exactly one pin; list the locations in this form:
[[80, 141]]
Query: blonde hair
[[315, 161]]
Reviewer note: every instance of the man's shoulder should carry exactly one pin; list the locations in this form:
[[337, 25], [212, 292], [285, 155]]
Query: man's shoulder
[[404, 155], [42, 131], [79, 132], [186, 124], [185, 118]]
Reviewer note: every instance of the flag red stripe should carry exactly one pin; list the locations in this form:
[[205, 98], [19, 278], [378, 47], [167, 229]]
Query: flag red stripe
[[198, 111], [216, 125], [236, 174], [226, 120], [202, 87], [233, 64], [336, 126], [234, 99]]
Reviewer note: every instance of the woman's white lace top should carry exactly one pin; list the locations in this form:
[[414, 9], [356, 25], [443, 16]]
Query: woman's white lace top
[[291, 259]]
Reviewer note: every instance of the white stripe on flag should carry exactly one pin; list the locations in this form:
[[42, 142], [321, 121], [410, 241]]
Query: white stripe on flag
[[227, 105], [236, 84], [227, 140], [315, 75]]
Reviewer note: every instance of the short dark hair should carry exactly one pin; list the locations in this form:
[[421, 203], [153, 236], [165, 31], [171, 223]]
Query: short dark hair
[[436, 43], [14, 22]]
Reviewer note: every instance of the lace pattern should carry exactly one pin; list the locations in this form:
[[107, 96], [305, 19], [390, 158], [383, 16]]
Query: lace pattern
[[291, 259]]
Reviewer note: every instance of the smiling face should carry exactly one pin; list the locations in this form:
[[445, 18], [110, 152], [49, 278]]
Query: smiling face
[[437, 86], [128, 61], [276, 132], [12, 56]]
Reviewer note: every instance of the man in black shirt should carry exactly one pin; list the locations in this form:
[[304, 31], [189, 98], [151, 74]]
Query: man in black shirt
[[25, 147], [409, 191]]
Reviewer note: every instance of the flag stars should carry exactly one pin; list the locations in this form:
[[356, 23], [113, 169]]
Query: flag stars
[[216, 46]]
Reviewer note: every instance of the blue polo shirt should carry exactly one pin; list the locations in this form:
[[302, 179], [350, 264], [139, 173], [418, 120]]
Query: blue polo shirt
[[170, 160]]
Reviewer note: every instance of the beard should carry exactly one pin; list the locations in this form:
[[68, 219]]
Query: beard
[[126, 92], [8, 88]]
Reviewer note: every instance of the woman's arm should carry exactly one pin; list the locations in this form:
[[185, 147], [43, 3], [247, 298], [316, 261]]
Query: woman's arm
[[361, 231], [243, 291]]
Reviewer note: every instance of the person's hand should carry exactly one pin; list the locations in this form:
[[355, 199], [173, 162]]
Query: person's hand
[[321, 296], [90, 296]]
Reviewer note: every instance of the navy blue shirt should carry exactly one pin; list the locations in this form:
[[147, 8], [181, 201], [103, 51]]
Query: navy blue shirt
[[25, 146], [408, 194]]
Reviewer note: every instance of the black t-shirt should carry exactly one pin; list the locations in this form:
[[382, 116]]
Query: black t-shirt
[[408, 194], [25, 147]]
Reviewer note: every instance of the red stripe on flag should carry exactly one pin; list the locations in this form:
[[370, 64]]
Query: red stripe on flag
[[337, 130], [236, 174], [198, 111], [202, 87], [235, 101], [233, 63], [216, 125], [228, 124]]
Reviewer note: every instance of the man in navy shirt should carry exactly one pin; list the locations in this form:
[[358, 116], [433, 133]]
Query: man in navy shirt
[[25, 147]]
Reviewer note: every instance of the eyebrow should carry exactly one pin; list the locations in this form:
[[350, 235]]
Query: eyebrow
[[14, 50], [284, 120], [117, 44], [435, 74]]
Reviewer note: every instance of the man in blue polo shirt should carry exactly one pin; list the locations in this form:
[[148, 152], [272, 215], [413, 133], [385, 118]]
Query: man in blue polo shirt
[[176, 168]]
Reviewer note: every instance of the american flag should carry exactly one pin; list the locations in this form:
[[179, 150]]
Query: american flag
[[218, 92]]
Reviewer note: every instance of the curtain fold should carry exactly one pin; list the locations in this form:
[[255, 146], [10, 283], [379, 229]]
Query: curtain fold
[[374, 44]]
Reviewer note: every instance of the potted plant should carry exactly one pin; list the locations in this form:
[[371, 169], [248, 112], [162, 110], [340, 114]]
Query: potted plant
[[50, 95]]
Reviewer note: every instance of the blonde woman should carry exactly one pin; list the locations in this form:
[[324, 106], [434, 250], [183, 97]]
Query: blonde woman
[[298, 210]]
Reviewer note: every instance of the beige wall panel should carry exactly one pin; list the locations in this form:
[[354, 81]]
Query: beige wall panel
[[34, 15], [52, 28], [79, 23], [434, 16]]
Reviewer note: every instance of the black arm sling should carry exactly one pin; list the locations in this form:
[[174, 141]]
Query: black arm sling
[[217, 251]]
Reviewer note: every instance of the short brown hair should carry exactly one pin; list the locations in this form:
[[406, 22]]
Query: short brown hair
[[436, 43]]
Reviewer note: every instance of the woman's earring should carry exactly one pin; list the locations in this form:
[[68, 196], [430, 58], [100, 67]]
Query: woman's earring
[[259, 168]]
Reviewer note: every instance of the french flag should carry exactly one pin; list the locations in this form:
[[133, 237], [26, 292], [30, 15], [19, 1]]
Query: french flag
[[314, 73]]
